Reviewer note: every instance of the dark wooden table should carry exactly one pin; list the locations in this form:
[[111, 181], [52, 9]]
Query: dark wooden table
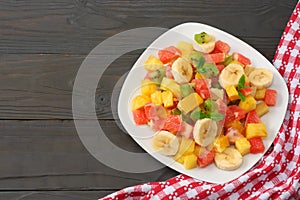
[[42, 45]]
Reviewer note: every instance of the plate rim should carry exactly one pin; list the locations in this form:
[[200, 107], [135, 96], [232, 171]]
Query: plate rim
[[257, 53]]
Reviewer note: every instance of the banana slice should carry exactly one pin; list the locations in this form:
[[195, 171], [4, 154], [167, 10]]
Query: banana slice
[[230, 75], [261, 78], [182, 70], [229, 159], [205, 131], [165, 142], [205, 47]]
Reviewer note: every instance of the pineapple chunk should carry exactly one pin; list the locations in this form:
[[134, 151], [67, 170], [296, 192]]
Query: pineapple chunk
[[221, 143], [186, 49], [260, 94], [148, 87], [139, 102], [199, 76], [156, 98], [190, 161], [232, 93], [170, 84], [249, 104], [180, 160], [190, 149], [167, 98], [153, 63], [186, 146], [243, 146], [256, 130], [235, 124], [189, 103], [262, 108]]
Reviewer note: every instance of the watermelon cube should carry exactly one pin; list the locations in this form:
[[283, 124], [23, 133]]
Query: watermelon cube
[[270, 97]]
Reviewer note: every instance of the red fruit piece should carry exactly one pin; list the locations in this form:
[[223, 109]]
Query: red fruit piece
[[186, 130], [246, 91], [234, 112], [252, 117], [233, 134], [270, 97], [220, 67], [201, 87], [257, 145], [173, 123], [206, 158], [242, 59], [222, 47], [139, 117], [168, 54], [217, 57]]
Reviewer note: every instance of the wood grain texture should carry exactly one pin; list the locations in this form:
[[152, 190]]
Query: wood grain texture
[[48, 155], [42, 45], [77, 26]]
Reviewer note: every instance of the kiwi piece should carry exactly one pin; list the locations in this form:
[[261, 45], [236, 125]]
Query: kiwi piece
[[202, 37], [157, 75], [209, 70], [197, 59], [186, 89]]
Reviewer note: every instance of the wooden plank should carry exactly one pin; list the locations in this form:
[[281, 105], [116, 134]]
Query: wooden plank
[[48, 155], [78, 26], [54, 195], [40, 86]]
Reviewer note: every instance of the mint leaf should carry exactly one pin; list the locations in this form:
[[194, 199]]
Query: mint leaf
[[216, 116], [242, 97], [241, 83]]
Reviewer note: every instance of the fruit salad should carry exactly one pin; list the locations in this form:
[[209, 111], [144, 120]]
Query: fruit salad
[[204, 103]]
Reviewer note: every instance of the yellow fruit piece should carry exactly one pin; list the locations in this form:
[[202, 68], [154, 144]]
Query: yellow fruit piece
[[167, 98], [199, 76], [260, 94], [186, 146], [235, 124], [243, 146], [232, 93], [256, 130], [254, 89], [197, 149], [190, 161], [139, 102], [190, 149], [186, 49], [221, 143], [156, 98], [180, 160], [262, 108], [153, 63], [247, 80], [148, 87], [170, 84], [249, 104], [189, 103]]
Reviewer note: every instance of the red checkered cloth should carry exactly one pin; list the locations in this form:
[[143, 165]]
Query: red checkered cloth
[[277, 176]]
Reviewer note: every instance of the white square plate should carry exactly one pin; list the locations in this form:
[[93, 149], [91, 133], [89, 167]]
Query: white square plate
[[142, 134]]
